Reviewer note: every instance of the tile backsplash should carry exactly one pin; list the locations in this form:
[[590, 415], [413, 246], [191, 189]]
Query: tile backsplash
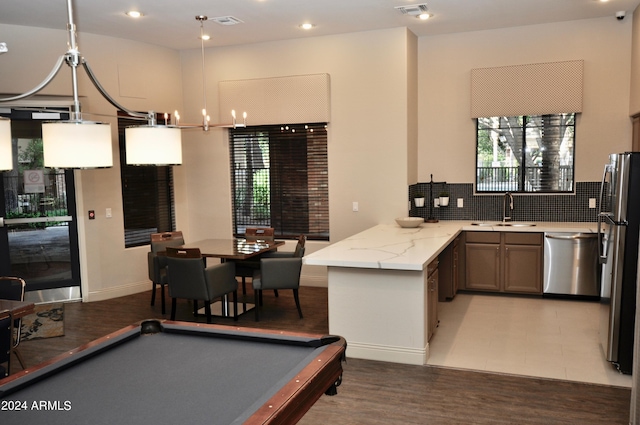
[[572, 207]]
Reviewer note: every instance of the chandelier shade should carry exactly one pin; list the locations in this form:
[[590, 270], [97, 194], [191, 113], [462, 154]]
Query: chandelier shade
[[153, 145], [77, 144], [6, 155]]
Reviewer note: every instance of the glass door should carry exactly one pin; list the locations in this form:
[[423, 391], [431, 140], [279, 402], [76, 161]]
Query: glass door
[[38, 230]]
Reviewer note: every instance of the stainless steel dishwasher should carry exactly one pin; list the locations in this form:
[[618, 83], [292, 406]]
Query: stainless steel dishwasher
[[571, 264]]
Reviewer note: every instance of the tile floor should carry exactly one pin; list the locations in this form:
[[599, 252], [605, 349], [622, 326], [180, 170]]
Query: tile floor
[[548, 338]]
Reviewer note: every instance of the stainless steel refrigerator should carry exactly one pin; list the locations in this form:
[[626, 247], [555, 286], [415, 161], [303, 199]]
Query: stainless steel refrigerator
[[618, 229]]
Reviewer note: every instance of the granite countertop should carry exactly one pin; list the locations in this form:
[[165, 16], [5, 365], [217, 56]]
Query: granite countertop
[[388, 246]]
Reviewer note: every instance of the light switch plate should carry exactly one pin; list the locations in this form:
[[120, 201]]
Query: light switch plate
[[460, 202], [592, 202]]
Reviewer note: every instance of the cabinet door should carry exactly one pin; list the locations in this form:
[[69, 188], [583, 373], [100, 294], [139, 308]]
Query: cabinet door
[[433, 304], [454, 267], [445, 276], [523, 268], [482, 266]]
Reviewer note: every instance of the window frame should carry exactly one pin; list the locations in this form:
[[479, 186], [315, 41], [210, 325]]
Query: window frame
[[160, 179], [565, 174], [297, 179]]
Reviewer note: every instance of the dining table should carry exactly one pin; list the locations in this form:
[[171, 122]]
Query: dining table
[[229, 250], [233, 248]]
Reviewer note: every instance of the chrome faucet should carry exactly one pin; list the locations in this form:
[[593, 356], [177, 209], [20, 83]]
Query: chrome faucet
[[507, 206]]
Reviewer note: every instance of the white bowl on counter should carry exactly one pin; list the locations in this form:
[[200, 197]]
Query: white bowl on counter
[[409, 221]]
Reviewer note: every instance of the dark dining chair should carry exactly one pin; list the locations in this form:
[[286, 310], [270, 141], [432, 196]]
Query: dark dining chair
[[189, 278], [157, 261], [6, 345], [302, 239], [278, 273], [245, 268], [13, 288]]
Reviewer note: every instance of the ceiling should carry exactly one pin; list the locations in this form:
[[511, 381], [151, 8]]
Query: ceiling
[[172, 23]]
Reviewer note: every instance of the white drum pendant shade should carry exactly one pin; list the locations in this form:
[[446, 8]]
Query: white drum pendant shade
[[74, 144], [153, 145], [6, 155]]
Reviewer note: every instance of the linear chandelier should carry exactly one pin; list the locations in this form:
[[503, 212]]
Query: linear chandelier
[[79, 143]]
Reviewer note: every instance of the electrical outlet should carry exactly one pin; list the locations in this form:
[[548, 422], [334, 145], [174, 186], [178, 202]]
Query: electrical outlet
[[460, 202], [592, 202], [355, 207], [108, 213]]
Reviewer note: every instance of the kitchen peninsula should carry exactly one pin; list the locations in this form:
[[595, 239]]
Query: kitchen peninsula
[[378, 287]]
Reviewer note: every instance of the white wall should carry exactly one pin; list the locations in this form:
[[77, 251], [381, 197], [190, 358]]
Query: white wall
[[446, 131]]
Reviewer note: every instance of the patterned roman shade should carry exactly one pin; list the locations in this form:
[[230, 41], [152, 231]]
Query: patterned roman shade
[[281, 100], [534, 89]]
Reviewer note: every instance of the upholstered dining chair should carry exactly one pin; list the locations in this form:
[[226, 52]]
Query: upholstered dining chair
[[157, 262], [245, 268], [188, 278], [302, 239], [12, 288], [6, 331], [278, 273]]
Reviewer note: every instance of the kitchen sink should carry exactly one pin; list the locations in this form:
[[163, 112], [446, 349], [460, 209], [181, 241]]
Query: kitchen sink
[[512, 224], [482, 223]]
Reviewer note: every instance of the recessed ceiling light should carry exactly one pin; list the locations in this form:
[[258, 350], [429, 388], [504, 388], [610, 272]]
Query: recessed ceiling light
[[205, 37], [134, 14], [306, 26], [424, 16]]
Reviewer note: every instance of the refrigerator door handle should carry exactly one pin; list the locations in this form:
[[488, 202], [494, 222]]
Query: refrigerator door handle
[[601, 214]]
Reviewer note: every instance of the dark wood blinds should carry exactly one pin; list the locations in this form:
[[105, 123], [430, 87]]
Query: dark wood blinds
[[147, 195], [279, 179]]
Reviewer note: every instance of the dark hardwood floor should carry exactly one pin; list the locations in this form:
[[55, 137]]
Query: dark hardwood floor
[[372, 392]]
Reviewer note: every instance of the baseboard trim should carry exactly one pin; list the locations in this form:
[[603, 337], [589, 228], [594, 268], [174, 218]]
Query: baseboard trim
[[117, 291], [404, 355]]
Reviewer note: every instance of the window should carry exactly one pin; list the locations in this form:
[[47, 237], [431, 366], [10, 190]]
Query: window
[[279, 179], [525, 153], [147, 196]]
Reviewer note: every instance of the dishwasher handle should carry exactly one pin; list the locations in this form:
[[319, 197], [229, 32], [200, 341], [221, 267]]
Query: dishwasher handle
[[573, 237]]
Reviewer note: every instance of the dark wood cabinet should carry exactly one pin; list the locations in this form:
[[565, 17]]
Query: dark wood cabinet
[[504, 262], [448, 271], [432, 298]]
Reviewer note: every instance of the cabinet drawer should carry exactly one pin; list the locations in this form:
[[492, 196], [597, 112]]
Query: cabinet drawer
[[432, 267], [524, 238], [483, 237]]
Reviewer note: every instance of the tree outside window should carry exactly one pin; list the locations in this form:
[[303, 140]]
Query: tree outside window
[[533, 153]]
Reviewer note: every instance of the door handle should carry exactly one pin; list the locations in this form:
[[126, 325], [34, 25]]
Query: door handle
[[573, 237]]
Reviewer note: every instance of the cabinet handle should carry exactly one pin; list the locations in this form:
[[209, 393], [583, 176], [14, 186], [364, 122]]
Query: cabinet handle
[[506, 252]]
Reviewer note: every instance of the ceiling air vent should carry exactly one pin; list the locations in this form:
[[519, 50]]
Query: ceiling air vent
[[227, 20], [413, 9]]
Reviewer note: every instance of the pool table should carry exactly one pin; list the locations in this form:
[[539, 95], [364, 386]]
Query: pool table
[[163, 372]]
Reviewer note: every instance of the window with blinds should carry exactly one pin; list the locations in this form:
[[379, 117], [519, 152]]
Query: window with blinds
[[147, 195], [279, 178]]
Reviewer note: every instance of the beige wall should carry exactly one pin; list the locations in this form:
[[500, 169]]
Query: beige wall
[[399, 112], [108, 269], [368, 132], [447, 134], [634, 103]]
